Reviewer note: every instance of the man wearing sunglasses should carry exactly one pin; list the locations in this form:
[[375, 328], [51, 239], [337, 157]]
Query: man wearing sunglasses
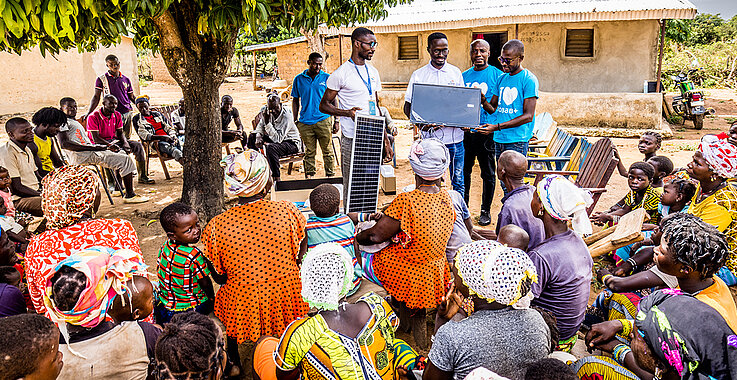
[[356, 85], [513, 102], [438, 71]]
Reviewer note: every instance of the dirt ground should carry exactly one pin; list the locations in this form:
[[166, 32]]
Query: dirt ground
[[145, 216]]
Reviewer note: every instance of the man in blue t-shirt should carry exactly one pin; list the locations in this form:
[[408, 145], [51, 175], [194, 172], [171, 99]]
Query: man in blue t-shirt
[[314, 126], [478, 146], [514, 100]]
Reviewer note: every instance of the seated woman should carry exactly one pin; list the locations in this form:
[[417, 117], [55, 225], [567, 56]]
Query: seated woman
[[562, 260], [340, 341], [255, 245], [413, 267], [70, 198], [77, 296], [190, 347], [502, 333], [691, 251], [715, 202], [676, 336]]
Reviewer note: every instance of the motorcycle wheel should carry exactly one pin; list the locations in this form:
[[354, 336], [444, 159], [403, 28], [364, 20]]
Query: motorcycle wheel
[[698, 122]]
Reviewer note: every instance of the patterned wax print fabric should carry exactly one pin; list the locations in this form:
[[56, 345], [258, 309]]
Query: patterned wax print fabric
[[697, 345], [48, 249], [323, 354], [256, 245], [68, 192], [600, 368], [415, 269], [720, 154], [336, 229], [179, 270], [650, 202], [720, 210]]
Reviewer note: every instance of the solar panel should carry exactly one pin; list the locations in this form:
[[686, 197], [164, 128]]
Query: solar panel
[[445, 105], [363, 183]]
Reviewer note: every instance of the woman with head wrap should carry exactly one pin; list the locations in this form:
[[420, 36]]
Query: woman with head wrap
[[345, 341], [501, 333], [676, 336], [413, 268], [69, 200], [715, 201], [255, 245], [77, 295], [562, 260]]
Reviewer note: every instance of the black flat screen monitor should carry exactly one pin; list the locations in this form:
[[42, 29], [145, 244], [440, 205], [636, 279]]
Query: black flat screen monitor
[[448, 106]]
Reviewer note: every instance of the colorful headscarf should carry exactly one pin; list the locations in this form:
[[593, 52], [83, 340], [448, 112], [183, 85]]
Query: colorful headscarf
[[497, 273], [68, 192], [689, 335], [565, 201], [720, 154], [429, 158], [327, 276], [247, 173]]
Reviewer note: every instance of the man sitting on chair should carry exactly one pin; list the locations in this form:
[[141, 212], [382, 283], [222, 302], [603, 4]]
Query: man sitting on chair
[[153, 127], [277, 129], [80, 150]]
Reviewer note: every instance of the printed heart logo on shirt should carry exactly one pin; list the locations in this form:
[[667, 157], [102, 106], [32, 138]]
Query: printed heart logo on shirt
[[509, 94], [483, 86]]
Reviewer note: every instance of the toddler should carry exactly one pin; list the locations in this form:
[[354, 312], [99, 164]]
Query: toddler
[[641, 195], [329, 225], [12, 301], [663, 167], [16, 232], [183, 271], [29, 346], [514, 237], [136, 306]]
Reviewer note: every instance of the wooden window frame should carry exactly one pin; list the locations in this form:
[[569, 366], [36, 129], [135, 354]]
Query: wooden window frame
[[593, 44], [409, 57]]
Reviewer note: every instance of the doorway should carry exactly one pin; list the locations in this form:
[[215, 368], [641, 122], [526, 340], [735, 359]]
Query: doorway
[[496, 41]]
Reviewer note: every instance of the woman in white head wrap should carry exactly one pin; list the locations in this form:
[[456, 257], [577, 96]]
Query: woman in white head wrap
[[501, 333], [418, 224], [562, 260], [346, 341], [255, 245]]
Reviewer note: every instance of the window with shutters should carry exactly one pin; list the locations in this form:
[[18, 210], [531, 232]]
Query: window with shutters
[[409, 47], [579, 43]]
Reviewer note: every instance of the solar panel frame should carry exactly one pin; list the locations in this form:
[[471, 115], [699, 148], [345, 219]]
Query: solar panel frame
[[366, 155], [448, 106]]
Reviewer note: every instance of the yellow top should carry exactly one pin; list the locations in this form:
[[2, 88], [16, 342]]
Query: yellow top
[[720, 210], [44, 152]]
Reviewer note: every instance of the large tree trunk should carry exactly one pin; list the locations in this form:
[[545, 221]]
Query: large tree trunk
[[315, 42], [199, 65]]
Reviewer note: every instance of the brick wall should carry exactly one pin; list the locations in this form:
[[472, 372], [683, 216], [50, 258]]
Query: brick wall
[[159, 70], [292, 59]]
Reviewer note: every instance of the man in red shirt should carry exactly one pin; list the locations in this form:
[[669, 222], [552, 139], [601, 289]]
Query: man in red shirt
[[106, 127], [152, 126]]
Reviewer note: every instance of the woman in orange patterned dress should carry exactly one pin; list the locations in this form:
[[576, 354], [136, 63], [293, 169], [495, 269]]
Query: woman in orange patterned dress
[[255, 246], [413, 268]]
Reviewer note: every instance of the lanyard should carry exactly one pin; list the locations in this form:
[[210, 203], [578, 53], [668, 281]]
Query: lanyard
[[366, 82]]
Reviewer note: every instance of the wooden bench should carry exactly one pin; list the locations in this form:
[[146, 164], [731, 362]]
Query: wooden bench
[[594, 173]]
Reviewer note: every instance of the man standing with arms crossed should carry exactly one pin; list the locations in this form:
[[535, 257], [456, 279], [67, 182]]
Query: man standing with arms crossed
[[514, 101], [356, 84], [314, 126], [482, 76], [438, 71]]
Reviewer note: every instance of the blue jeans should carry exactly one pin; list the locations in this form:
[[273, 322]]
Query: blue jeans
[[456, 166], [499, 148]]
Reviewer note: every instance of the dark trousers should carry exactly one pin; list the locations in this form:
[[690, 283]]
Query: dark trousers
[[274, 151], [136, 149], [481, 148]]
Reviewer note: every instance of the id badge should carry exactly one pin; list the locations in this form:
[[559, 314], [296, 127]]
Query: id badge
[[372, 108]]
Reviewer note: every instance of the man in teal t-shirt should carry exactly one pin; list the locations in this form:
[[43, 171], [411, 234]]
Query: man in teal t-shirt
[[478, 146], [514, 100]]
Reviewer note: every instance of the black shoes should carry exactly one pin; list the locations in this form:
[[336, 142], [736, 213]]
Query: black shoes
[[484, 218]]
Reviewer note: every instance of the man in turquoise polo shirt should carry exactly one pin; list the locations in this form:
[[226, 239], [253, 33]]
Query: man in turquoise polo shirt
[[314, 126]]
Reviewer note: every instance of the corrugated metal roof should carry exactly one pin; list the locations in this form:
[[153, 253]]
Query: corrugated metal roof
[[272, 45], [455, 14]]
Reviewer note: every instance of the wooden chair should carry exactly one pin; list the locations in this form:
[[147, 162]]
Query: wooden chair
[[557, 152], [153, 149], [544, 127], [595, 170]]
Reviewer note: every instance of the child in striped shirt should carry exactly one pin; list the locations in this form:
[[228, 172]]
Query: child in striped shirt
[[329, 225]]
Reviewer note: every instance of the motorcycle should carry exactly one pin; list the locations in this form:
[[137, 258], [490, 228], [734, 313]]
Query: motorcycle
[[690, 104]]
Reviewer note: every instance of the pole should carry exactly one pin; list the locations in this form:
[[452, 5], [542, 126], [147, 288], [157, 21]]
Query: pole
[[340, 48], [516, 31], [254, 71], [660, 53]]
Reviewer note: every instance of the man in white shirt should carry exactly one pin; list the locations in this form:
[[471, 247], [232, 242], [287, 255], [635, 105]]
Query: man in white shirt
[[438, 71], [356, 84]]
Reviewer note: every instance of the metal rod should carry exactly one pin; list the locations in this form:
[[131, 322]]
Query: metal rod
[[254, 71], [660, 53]]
